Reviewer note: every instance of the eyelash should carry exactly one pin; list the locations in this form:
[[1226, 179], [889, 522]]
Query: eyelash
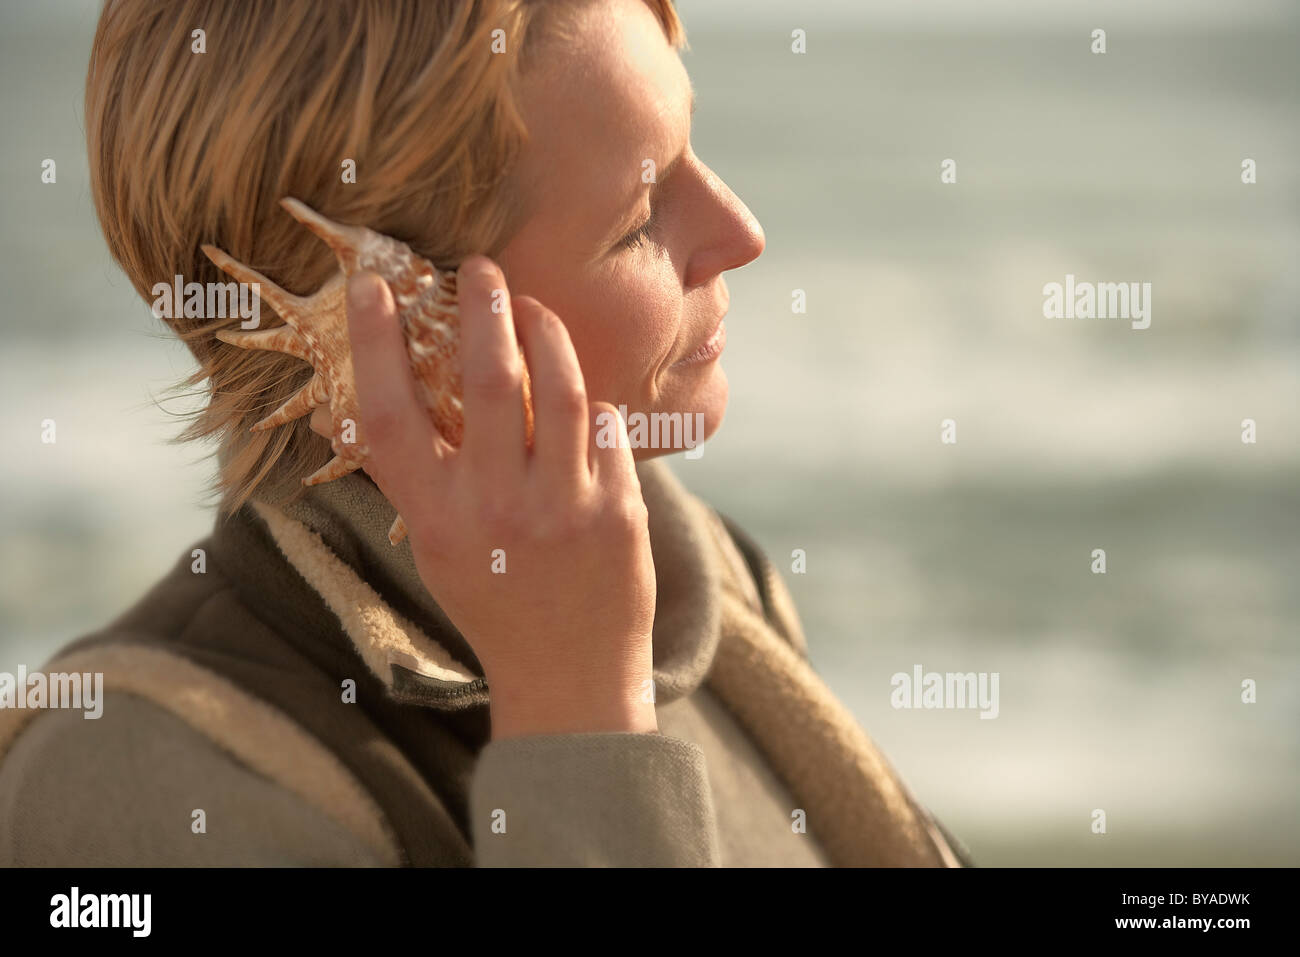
[[641, 235]]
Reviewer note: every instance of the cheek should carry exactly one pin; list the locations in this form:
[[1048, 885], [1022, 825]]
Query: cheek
[[623, 326]]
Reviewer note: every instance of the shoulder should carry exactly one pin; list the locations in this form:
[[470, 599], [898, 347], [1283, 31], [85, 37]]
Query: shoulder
[[184, 741], [140, 786]]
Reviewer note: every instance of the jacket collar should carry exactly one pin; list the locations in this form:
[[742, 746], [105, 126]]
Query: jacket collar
[[335, 536]]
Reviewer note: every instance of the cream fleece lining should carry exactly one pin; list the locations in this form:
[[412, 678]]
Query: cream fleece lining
[[380, 634], [856, 805], [260, 736]]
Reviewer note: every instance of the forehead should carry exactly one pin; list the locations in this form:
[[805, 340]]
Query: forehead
[[612, 93]]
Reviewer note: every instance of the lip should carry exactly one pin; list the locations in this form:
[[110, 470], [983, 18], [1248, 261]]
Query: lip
[[710, 349]]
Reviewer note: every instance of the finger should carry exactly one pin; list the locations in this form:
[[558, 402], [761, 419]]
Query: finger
[[610, 451], [403, 444], [491, 372], [559, 394]]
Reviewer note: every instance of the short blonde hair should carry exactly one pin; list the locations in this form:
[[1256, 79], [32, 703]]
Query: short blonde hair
[[190, 148]]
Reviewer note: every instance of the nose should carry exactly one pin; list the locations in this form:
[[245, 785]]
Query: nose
[[728, 235]]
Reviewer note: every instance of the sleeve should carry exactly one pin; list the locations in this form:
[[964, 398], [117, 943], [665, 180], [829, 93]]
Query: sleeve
[[600, 799], [121, 791]]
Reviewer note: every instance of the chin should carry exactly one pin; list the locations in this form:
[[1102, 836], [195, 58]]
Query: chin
[[708, 398]]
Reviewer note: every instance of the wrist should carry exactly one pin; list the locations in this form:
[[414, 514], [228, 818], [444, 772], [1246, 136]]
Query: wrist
[[570, 704]]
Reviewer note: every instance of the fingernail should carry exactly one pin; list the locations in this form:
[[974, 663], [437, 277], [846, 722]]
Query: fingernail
[[363, 291]]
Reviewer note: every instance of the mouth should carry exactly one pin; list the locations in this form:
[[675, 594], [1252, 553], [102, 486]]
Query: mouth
[[710, 349]]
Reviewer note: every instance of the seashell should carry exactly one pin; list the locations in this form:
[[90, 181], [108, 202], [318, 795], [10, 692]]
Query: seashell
[[316, 330]]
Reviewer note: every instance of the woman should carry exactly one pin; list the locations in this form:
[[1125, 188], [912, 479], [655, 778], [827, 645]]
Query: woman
[[572, 660]]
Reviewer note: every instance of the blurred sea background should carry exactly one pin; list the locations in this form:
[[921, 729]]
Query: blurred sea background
[[1119, 692]]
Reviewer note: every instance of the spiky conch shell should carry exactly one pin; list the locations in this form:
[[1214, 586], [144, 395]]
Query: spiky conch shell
[[316, 330]]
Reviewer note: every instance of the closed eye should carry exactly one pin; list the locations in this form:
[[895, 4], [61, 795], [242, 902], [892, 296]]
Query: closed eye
[[641, 235]]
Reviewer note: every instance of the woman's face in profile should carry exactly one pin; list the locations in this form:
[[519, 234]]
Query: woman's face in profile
[[633, 267]]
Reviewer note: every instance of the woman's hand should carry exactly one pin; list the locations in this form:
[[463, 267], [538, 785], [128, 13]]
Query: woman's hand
[[563, 633]]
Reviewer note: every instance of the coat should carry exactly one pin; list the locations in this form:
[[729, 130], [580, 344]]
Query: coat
[[290, 694]]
